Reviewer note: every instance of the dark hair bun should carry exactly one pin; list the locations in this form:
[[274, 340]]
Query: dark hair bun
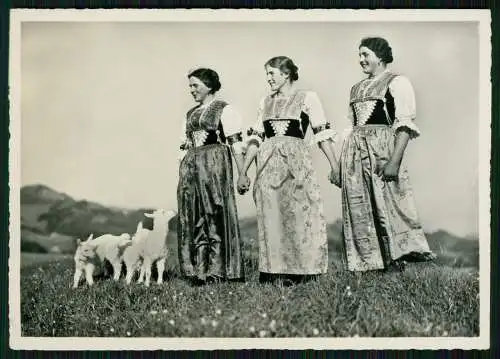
[[286, 65], [380, 47], [209, 77]]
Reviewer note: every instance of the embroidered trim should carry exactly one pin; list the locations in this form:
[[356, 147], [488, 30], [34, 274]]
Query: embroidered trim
[[413, 130], [280, 127], [364, 110], [252, 132], [234, 138], [186, 145], [369, 89], [324, 135], [200, 137], [320, 128]]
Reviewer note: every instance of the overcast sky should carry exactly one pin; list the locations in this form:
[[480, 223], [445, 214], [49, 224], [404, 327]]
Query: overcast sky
[[102, 103]]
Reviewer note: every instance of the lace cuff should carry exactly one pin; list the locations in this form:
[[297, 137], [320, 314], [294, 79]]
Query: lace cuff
[[323, 133], [231, 140], [185, 145], [254, 136], [408, 124]]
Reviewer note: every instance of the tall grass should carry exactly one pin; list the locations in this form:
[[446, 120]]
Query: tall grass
[[428, 299]]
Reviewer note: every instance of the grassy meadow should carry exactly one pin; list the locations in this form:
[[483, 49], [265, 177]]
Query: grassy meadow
[[428, 299]]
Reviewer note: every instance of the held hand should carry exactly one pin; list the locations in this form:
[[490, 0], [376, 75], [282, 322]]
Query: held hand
[[334, 177], [243, 184], [389, 172]]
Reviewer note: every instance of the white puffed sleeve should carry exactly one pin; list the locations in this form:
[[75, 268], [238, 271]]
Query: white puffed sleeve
[[255, 134], [402, 91], [232, 123], [320, 125]]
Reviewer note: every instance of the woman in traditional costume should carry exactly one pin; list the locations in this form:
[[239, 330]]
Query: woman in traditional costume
[[291, 225], [209, 242], [381, 226]]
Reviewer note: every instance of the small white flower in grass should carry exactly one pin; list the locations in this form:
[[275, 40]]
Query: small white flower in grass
[[129, 334], [112, 330], [262, 333], [171, 322], [218, 312], [153, 312], [211, 293], [264, 315], [355, 336], [252, 329], [230, 293], [155, 298], [272, 325], [214, 323], [445, 333], [203, 321], [348, 288], [315, 331], [165, 311]]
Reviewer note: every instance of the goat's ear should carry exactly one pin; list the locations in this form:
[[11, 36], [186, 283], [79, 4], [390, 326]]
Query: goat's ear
[[91, 237], [78, 241]]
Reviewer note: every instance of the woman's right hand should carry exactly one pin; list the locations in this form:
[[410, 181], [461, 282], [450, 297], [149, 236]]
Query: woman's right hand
[[243, 184]]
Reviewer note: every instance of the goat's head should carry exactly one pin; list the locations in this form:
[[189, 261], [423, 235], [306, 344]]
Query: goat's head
[[161, 214], [85, 249]]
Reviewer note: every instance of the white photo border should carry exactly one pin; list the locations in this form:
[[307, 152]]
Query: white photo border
[[19, 16]]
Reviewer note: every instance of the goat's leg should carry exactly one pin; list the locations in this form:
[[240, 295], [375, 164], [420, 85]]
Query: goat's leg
[[130, 272], [142, 273], [160, 266], [89, 274], [117, 269], [76, 277], [147, 270], [105, 270]]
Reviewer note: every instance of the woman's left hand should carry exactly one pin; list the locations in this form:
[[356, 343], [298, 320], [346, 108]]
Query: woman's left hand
[[334, 178], [390, 172]]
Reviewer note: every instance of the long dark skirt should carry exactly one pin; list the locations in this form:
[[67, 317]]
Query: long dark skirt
[[209, 240]]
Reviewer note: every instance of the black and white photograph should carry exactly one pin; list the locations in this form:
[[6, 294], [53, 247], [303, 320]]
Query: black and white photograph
[[238, 179]]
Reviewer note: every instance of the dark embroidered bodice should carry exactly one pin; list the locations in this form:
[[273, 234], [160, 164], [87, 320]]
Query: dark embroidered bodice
[[204, 125], [372, 102], [283, 117]]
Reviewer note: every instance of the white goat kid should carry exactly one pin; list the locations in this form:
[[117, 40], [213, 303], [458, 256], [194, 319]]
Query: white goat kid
[[132, 254], [153, 248], [92, 253]]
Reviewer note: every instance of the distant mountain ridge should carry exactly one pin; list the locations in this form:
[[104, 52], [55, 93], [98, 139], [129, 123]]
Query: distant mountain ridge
[[45, 211]]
